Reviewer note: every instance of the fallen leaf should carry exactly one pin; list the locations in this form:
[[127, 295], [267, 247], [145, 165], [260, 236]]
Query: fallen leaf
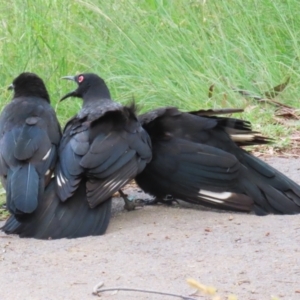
[[277, 89], [211, 90], [209, 290]]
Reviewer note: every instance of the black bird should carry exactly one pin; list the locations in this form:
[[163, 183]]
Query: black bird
[[54, 219], [197, 158], [29, 138], [104, 144]]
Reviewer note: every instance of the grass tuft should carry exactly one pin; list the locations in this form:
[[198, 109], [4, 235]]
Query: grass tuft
[[162, 52]]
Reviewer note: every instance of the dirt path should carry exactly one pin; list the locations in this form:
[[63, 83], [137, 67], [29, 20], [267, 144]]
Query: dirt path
[[158, 248]]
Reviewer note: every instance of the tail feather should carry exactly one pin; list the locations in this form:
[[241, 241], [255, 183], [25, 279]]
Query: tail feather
[[253, 191], [88, 225], [294, 196], [278, 193], [239, 130], [214, 112], [279, 201], [9, 203], [11, 225], [54, 219], [24, 190], [248, 138]]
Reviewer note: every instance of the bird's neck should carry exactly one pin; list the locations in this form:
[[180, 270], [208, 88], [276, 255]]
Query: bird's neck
[[42, 94], [99, 94]]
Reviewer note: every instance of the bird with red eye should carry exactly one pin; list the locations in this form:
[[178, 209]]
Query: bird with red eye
[[26, 155], [104, 145], [80, 78]]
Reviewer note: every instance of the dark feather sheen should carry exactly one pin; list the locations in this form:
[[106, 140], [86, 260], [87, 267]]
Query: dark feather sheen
[[29, 137], [104, 144], [207, 177], [55, 220]]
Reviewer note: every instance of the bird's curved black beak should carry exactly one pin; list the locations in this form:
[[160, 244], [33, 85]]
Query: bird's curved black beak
[[73, 78], [71, 94], [11, 87]]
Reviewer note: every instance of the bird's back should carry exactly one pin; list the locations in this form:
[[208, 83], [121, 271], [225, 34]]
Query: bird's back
[[29, 137], [19, 111]]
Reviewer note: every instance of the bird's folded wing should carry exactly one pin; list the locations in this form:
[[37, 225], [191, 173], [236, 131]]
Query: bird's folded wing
[[197, 173], [25, 143], [110, 163]]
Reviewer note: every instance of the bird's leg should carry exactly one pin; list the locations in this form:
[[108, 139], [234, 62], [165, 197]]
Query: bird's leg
[[131, 204], [167, 200]]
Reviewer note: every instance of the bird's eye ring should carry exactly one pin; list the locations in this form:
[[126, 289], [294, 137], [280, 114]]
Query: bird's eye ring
[[80, 78]]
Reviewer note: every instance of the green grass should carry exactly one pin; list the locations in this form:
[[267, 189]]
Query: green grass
[[161, 52], [3, 212]]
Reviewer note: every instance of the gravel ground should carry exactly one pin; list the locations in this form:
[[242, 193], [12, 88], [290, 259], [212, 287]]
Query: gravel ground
[[158, 248]]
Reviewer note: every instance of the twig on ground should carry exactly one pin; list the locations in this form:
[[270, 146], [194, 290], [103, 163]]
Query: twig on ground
[[97, 290], [260, 98]]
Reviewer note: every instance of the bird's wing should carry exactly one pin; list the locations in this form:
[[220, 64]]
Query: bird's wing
[[31, 136], [113, 160], [152, 115], [193, 122], [74, 144], [107, 154], [28, 142], [195, 173]]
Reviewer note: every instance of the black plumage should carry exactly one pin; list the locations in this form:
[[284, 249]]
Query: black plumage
[[103, 144], [29, 138], [54, 219], [197, 158]]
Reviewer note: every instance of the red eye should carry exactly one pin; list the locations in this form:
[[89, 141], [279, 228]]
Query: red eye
[[80, 78]]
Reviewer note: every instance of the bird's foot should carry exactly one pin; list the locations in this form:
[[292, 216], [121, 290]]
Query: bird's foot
[[168, 200], [131, 204]]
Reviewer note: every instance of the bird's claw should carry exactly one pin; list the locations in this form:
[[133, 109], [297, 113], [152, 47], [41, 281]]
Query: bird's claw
[[133, 204], [168, 200]]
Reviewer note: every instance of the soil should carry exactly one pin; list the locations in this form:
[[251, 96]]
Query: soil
[[158, 248]]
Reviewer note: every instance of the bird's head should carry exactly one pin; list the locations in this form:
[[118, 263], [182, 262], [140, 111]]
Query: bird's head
[[29, 85], [89, 85]]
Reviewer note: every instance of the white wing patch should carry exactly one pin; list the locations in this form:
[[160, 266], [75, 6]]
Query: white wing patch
[[47, 154], [111, 184], [60, 179], [214, 196], [242, 137]]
